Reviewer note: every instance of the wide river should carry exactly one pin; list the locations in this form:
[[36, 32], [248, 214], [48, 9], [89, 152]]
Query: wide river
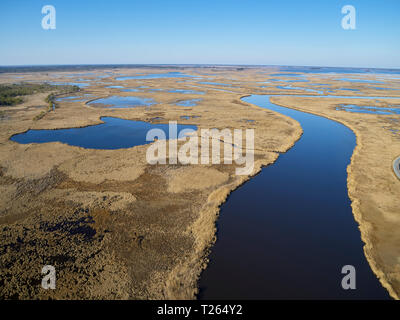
[[288, 231]]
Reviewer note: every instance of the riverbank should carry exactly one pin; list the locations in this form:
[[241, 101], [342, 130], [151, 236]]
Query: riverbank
[[371, 184], [260, 225]]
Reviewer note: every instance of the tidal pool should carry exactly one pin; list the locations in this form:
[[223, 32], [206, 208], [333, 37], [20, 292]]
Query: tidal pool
[[381, 88], [114, 133], [75, 98], [297, 80], [349, 89], [368, 109], [300, 88], [359, 80], [122, 102], [68, 98], [288, 231], [129, 90], [188, 103]]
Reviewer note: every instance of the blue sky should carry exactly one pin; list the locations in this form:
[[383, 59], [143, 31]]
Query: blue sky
[[284, 32]]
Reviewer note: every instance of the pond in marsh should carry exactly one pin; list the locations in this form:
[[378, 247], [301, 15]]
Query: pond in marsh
[[75, 98], [122, 102], [297, 80], [115, 87], [349, 89], [68, 98], [114, 133], [368, 109], [288, 231], [359, 80], [130, 90], [382, 88], [188, 103]]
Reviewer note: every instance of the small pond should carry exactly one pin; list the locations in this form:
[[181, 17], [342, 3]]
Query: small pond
[[188, 103], [114, 133], [122, 102], [368, 109]]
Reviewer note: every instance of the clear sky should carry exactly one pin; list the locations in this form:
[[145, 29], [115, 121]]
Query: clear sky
[[271, 32]]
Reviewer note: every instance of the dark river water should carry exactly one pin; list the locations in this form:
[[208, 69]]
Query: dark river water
[[287, 232]]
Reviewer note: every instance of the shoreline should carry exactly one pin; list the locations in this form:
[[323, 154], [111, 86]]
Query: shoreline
[[364, 226]]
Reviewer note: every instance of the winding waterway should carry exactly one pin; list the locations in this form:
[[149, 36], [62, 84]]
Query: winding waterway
[[288, 231]]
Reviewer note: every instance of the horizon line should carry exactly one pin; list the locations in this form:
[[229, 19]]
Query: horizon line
[[192, 64]]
